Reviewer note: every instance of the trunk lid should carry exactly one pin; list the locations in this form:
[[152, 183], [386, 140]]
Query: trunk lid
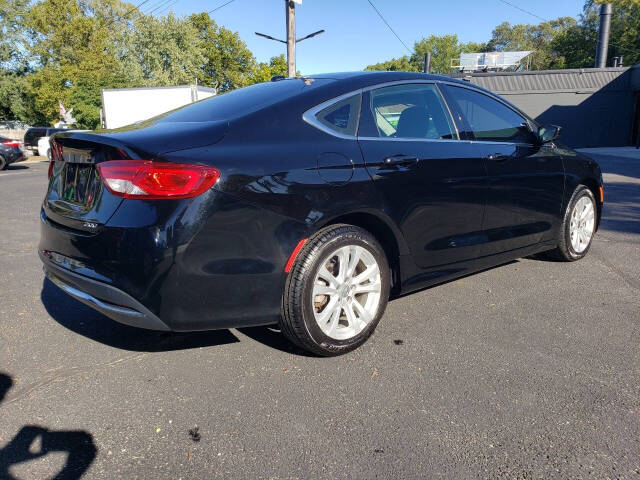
[[77, 197]]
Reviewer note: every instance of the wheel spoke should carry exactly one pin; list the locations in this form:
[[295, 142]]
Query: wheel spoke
[[343, 264], [354, 322], [319, 289], [368, 287], [586, 236], [575, 242], [362, 313], [326, 275], [353, 261], [328, 310], [333, 323], [367, 274]]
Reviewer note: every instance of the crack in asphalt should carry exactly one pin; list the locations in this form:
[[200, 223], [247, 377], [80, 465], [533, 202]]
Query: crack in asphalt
[[612, 268], [62, 374]]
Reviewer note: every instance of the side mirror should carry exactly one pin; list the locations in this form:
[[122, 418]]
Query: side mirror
[[549, 133]]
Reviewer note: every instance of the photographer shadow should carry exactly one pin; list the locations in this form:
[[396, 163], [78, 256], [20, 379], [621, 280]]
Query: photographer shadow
[[34, 442]]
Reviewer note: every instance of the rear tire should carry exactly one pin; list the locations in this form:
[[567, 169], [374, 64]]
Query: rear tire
[[578, 227], [336, 292], [3, 163]]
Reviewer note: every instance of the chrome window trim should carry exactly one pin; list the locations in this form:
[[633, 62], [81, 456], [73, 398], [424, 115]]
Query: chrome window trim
[[309, 115], [409, 139]]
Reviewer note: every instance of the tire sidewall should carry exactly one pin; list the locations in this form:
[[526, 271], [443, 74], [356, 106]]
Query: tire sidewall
[[313, 329], [580, 192], [3, 163]]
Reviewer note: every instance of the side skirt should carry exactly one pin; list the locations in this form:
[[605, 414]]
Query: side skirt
[[414, 279]]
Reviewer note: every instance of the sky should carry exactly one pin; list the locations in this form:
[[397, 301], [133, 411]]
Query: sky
[[356, 36]]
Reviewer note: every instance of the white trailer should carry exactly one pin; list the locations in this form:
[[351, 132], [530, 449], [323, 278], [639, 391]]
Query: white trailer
[[124, 106]]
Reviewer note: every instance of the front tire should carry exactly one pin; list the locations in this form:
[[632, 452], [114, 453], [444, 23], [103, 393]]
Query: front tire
[[3, 163], [336, 292], [578, 226]]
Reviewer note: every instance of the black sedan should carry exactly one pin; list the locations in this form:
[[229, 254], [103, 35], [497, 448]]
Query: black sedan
[[309, 203], [10, 152]]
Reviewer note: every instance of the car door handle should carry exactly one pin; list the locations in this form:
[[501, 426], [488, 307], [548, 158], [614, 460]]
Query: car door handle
[[400, 159], [498, 157]]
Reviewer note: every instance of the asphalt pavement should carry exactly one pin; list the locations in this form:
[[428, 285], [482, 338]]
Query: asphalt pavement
[[529, 370]]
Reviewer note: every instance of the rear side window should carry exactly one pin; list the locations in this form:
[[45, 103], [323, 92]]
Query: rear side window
[[490, 120], [342, 117], [412, 111]]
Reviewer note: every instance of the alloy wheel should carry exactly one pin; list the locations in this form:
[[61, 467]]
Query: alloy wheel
[[582, 224], [346, 292]]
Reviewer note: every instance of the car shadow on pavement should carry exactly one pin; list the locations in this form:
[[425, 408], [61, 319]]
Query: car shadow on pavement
[[16, 167], [271, 336], [34, 442], [81, 319]]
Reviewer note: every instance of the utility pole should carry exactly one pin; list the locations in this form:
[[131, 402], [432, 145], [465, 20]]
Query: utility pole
[[603, 35], [290, 11], [427, 62], [290, 8]]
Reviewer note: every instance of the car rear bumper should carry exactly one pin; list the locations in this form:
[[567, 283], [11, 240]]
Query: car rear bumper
[[14, 156], [108, 300], [19, 158], [205, 264]]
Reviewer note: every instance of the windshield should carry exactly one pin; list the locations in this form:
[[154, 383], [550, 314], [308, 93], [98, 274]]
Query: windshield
[[240, 102]]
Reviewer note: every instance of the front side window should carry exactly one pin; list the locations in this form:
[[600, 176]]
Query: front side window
[[342, 117], [490, 120], [414, 111]]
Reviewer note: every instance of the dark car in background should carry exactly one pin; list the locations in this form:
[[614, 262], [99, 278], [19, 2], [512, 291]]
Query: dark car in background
[[33, 134], [308, 203], [10, 152]]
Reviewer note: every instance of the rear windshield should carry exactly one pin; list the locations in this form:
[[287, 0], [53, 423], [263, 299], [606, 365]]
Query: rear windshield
[[240, 102]]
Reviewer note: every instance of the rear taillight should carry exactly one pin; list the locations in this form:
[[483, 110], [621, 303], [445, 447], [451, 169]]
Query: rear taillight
[[145, 179], [11, 143], [56, 155]]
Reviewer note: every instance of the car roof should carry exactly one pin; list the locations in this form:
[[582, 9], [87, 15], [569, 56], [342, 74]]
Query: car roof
[[372, 77]]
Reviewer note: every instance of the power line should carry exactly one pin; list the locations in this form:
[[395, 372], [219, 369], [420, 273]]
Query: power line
[[389, 26], [126, 14], [523, 10], [546, 20], [158, 6], [169, 6], [223, 5]]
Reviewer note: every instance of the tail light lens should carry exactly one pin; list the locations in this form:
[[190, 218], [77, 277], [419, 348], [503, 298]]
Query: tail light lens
[[56, 155], [11, 143], [145, 179]]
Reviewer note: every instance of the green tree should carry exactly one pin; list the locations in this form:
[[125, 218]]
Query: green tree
[[72, 47], [578, 43], [443, 48], [402, 64], [540, 39], [228, 63], [160, 52], [263, 72], [12, 37]]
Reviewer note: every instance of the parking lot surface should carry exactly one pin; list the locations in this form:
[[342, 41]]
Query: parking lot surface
[[528, 370]]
